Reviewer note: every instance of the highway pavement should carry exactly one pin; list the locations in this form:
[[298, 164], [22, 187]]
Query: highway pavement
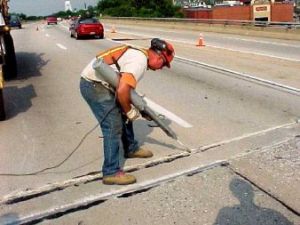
[[244, 136]]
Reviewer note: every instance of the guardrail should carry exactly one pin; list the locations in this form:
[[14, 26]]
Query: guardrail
[[285, 25]]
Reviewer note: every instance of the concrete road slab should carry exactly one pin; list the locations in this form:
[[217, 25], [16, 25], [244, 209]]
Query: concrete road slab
[[35, 137], [273, 69], [276, 169], [217, 197]]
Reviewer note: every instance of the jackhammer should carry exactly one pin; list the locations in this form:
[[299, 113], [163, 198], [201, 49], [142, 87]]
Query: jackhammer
[[106, 73]]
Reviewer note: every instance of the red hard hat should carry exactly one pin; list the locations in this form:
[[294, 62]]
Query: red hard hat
[[168, 53]]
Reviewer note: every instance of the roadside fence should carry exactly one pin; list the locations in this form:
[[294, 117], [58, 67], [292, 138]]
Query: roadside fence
[[280, 25]]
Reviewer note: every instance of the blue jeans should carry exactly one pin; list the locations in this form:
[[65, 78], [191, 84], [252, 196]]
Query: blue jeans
[[116, 132]]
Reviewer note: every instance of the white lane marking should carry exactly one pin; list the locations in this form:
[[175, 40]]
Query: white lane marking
[[243, 39], [61, 46], [250, 40], [241, 51], [264, 42], [159, 109], [255, 53], [219, 47], [47, 35], [243, 75], [235, 73]]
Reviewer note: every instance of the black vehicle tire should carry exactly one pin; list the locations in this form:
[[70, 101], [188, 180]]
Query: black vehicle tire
[[77, 36], [10, 61], [101, 36]]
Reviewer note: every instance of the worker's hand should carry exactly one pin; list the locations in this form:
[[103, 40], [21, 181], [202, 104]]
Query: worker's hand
[[133, 114], [146, 116]]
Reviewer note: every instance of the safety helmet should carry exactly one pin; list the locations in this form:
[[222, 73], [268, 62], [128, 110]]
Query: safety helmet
[[164, 48]]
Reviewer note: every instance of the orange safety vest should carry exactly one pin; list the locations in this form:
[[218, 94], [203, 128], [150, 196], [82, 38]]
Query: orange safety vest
[[111, 56]]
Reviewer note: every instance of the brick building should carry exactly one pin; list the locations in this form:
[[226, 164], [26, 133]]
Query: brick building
[[259, 10]]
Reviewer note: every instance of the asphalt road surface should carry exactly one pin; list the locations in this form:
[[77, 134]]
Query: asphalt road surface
[[231, 117]]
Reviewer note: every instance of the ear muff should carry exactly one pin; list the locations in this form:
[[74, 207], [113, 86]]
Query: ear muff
[[158, 44]]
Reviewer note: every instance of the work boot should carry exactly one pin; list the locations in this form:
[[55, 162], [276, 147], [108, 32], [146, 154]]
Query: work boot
[[140, 153], [120, 178]]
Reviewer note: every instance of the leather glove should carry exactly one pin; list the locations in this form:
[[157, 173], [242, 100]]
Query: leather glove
[[133, 114]]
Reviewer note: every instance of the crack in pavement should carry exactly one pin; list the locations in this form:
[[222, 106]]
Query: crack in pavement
[[97, 199], [58, 186]]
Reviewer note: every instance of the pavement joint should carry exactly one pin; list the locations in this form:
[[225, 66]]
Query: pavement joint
[[262, 149], [27, 194], [260, 187], [231, 146], [295, 211], [127, 191], [131, 190]]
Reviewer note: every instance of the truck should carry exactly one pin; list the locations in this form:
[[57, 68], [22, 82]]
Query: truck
[[8, 62]]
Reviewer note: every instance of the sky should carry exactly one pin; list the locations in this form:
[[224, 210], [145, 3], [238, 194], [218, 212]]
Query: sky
[[45, 7]]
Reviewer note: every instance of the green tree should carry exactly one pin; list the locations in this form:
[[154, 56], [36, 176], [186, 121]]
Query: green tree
[[140, 8]]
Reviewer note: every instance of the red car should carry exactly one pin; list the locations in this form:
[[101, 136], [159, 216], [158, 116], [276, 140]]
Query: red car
[[51, 20], [86, 27]]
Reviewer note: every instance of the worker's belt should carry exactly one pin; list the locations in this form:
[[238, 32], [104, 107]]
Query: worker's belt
[[101, 82]]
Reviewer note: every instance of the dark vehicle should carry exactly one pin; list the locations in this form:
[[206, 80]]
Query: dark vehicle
[[8, 62], [51, 20], [15, 21], [86, 27]]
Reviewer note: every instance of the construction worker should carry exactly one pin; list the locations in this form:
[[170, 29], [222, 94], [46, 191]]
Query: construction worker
[[113, 109]]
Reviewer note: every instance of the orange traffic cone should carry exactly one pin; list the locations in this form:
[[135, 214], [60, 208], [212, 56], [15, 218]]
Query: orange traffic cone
[[200, 41], [113, 29]]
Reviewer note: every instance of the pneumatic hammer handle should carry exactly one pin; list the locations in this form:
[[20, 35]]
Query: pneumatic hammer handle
[[106, 73]]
